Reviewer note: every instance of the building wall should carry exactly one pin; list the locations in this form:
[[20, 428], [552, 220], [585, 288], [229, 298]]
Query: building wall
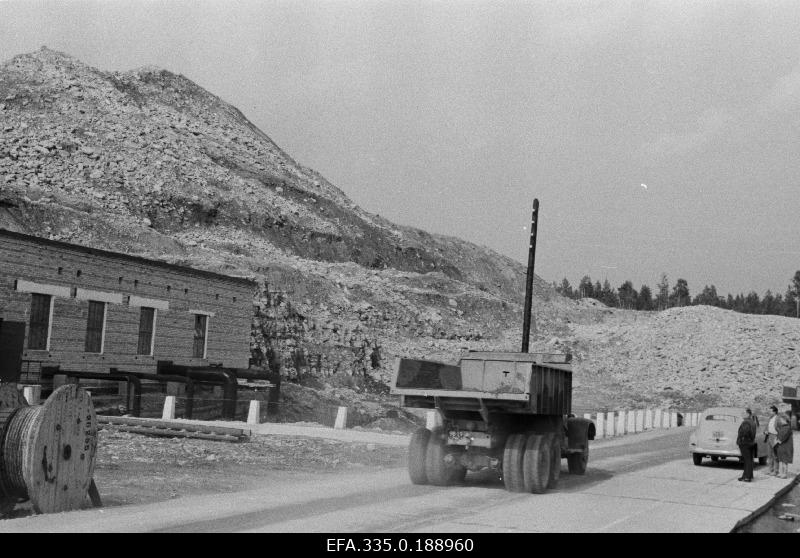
[[184, 289]]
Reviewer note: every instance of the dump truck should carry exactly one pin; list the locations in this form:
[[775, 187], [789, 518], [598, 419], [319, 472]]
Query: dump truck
[[506, 411]]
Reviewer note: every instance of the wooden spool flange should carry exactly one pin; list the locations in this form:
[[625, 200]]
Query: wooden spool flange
[[11, 399], [48, 451]]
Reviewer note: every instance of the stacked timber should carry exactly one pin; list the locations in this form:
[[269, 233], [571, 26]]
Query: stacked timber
[[47, 452]]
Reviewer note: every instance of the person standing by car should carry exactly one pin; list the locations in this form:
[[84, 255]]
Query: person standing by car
[[784, 449], [771, 437], [746, 439]]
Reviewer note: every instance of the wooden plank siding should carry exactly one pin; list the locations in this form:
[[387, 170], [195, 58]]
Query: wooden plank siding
[[228, 300]]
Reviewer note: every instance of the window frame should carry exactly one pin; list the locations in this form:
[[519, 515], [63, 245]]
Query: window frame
[[152, 332], [102, 328], [49, 323], [207, 317]]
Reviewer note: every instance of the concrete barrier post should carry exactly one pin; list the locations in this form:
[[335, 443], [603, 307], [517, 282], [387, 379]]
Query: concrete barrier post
[[665, 419], [639, 421], [432, 420], [673, 420], [630, 428], [610, 424], [254, 412], [169, 408], [657, 419], [648, 419], [620, 428], [32, 394], [341, 418], [599, 426]]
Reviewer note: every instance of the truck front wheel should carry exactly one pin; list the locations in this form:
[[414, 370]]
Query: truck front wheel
[[416, 455], [577, 462]]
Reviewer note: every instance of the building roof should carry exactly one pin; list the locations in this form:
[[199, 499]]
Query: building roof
[[126, 257]]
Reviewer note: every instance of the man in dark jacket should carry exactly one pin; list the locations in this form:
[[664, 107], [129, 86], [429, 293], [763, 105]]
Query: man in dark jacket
[[746, 439]]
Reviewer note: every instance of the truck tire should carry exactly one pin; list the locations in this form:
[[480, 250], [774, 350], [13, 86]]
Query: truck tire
[[438, 472], [417, 449], [555, 463], [513, 454], [577, 462], [697, 458], [536, 463]]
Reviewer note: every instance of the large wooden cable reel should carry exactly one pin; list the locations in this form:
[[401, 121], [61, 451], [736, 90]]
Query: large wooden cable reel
[[47, 452]]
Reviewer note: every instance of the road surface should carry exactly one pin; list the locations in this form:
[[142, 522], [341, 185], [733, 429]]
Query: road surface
[[641, 482]]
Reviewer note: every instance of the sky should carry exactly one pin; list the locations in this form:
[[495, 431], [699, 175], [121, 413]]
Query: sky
[[659, 137]]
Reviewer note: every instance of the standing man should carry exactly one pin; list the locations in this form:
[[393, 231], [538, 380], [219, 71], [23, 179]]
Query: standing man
[[746, 439], [772, 438], [784, 449]]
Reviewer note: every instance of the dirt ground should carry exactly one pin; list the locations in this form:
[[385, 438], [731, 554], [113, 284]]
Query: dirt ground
[[138, 469]]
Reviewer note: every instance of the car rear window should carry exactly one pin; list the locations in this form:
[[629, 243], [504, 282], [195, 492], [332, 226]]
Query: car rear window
[[726, 418]]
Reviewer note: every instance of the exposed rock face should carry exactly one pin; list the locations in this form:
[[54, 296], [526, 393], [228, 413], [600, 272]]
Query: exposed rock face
[[691, 356], [147, 162]]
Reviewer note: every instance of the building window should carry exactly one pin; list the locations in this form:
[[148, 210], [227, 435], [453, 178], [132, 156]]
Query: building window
[[95, 327], [200, 333], [41, 314], [147, 330]]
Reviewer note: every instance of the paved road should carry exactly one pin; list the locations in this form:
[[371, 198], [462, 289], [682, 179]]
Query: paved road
[[642, 482]]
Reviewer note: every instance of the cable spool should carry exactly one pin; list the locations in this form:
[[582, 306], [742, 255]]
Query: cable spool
[[47, 452], [11, 399]]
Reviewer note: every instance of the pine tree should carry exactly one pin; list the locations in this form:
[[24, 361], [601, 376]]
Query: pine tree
[[645, 299], [586, 288], [662, 298], [680, 293], [607, 296], [627, 295]]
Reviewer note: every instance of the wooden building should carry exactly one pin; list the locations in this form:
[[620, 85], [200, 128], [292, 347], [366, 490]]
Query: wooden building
[[91, 310]]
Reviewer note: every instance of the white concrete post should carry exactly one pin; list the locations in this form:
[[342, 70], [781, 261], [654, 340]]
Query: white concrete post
[[609, 424], [169, 408], [631, 427], [665, 418], [696, 419], [341, 418], [639, 420], [254, 412], [599, 426], [620, 423], [648, 419], [673, 420], [432, 420], [657, 419], [32, 394]]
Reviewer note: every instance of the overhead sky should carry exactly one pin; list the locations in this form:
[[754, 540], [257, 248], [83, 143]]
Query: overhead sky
[[657, 136]]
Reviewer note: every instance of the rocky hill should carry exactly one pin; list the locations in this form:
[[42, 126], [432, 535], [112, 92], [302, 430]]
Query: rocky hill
[[147, 162]]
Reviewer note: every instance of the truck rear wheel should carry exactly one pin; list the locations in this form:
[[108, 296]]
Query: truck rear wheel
[[577, 462], [555, 463], [513, 455], [536, 463], [417, 449], [437, 470]]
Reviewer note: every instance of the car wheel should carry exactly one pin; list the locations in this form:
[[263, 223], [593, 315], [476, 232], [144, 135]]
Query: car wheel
[[762, 460], [698, 458]]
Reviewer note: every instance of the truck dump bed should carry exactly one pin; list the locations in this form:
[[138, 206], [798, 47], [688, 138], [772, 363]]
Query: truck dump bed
[[534, 383]]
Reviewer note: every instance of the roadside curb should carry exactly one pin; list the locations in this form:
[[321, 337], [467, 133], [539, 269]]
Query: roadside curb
[[752, 516]]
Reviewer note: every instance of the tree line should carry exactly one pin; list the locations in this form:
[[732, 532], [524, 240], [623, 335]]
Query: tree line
[[666, 296]]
